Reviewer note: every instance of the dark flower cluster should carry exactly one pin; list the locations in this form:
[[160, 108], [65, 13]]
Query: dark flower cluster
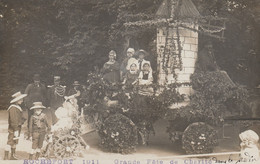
[[215, 95], [199, 138], [118, 134], [117, 113]]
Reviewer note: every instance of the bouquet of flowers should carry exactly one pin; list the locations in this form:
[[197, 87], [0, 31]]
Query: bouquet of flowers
[[118, 134]]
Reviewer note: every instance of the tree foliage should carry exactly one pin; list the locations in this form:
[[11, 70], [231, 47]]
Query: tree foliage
[[239, 54], [70, 37]]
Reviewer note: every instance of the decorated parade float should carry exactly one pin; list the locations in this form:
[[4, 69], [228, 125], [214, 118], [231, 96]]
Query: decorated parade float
[[194, 101], [66, 139]]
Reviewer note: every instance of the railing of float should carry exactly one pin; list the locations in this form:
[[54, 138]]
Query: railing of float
[[201, 155]]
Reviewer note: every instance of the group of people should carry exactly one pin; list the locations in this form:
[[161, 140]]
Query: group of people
[[38, 126], [40, 103], [132, 71]]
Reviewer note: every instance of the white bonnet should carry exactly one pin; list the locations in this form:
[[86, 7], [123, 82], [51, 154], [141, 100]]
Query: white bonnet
[[249, 135]]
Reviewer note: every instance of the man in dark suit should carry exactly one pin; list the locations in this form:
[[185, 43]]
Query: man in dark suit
[[36, 92]]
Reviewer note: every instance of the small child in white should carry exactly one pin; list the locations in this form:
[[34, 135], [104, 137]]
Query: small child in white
[[249, 146], [146, 76], [145, 79]]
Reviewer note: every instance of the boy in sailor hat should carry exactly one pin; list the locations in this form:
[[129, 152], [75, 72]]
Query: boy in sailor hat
[[15, 122], [38, 127]]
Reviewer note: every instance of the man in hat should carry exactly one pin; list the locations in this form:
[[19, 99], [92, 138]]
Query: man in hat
[[15, 122], [141, 61], [35, 92], [55, 96], [206, 58], [75, 90], [38, 127], [125, 66]]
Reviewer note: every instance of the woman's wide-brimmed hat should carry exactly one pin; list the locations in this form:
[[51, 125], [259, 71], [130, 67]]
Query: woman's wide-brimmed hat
[[37, 105], [17, 96], [76, 83]]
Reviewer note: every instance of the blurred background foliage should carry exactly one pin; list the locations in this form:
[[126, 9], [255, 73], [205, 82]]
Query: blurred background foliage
[[70, 37]]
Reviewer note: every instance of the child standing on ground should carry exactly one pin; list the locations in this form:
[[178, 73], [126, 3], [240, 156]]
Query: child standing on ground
[[15, 122], [38, 127]]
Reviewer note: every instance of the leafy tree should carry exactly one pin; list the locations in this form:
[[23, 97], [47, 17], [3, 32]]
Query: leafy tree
[[70, 37], [239, 54]]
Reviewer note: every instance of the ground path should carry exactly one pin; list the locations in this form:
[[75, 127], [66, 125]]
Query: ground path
[[159, 145]]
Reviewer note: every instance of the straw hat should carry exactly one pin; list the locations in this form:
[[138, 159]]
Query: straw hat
[[37, 105], [17, 96]]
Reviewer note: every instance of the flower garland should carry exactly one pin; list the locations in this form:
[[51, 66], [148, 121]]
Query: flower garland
[[212, 31]]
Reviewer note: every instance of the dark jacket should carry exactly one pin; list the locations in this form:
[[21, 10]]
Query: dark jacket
[[35, 94], [38, 123], [206, 60], [15, 117]]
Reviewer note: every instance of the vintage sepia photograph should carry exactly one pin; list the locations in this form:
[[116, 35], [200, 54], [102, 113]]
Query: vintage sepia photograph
[[130, 81]]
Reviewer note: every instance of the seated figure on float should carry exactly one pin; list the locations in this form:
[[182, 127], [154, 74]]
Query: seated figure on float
[[66, 113], [145, 80]]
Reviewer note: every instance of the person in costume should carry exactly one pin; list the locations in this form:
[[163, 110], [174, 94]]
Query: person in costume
[[35, 92], [55, 95], [15, 122], [110, 69], [146, 76], [38, 127], [145, 79], [131, 77], [125, 66]]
